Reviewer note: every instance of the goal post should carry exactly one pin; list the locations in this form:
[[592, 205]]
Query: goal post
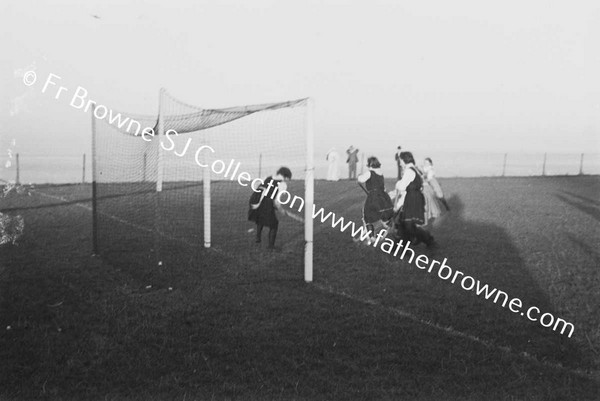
[[94, 188], [182, 187], [160, 132], [207, 204], [309, 192]]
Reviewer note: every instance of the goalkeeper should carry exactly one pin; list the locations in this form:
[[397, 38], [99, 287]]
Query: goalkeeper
[[263, 211]]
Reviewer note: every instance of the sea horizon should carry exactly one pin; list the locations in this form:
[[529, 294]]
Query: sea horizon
[[69, 168]]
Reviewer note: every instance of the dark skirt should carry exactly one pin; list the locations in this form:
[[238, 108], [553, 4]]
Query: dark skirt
[[378, 206], [265, 214], [414, 207]]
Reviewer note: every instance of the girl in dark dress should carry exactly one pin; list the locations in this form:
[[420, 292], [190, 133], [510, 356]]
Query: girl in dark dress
[[378, 205], [411, 202], [263, 213]]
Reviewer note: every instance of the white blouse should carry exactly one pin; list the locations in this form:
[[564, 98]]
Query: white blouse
[[408, 177], [400, 190]]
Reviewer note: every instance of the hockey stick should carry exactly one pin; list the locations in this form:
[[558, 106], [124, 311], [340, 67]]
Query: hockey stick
[[292, 216], [363, 188]]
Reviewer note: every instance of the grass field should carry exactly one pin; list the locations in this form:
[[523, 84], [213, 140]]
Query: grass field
[[238, 322]]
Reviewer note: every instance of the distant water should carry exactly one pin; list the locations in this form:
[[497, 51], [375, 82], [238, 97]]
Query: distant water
[[465, 164], [39, 169], [46, 169]]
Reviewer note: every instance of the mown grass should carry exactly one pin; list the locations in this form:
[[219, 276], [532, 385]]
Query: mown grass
[[243, 325]]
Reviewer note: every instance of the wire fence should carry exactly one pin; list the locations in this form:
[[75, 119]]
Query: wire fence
[[52, 169], [486, 164]]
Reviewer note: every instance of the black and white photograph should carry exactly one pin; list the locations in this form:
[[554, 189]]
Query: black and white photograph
[[299, 200]]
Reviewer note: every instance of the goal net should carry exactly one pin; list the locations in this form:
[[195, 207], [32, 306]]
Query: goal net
[[168, 200]]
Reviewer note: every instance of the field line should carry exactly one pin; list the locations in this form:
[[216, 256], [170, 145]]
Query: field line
[[593, 375], [86, 207], [125, 222]]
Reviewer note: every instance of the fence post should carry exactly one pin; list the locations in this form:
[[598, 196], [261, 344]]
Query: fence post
[[144, 168], [544, 166], [83, 174], [18, 181], [504, 165], [580, 165], [94, 186]]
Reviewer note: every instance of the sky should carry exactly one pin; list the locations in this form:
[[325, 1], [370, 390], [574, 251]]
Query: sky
[[430, 75]]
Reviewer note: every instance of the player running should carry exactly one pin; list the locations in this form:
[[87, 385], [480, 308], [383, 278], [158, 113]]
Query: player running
[[378, 206], [263, 211]]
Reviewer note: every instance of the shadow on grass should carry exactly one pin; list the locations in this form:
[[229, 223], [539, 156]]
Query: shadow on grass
[[482, 250], [488, 252], [592, 252]]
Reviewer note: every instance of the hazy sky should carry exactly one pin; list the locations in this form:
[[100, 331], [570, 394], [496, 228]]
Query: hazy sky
[[471, 75]]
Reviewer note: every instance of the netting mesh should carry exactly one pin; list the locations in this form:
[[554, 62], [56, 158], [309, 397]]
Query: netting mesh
[[125, 176], [150, 197]]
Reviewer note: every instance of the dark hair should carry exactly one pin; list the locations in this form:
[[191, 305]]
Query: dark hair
[[373, 162], [407, 157], [427, 159], [285, 173]]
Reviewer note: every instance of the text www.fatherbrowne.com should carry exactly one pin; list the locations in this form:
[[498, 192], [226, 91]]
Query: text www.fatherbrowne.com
[[445, 272]]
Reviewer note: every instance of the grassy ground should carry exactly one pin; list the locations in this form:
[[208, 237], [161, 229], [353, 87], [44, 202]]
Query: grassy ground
[[241, 324]]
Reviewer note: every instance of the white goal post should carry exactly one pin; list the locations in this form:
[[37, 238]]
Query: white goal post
[[150, 162], [309, 192]]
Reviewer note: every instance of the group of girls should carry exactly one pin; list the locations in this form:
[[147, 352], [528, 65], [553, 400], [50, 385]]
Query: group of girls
[[416, 201]]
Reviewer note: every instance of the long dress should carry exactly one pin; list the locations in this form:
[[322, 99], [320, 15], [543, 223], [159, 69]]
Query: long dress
[[412, 214], [265, 214], [414, 201], [432, 204], [333, 173], [352, 160], [435, 185], [378, 205]]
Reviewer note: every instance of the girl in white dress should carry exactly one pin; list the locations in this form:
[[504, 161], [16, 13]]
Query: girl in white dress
[[333, 173], [429, 176]]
